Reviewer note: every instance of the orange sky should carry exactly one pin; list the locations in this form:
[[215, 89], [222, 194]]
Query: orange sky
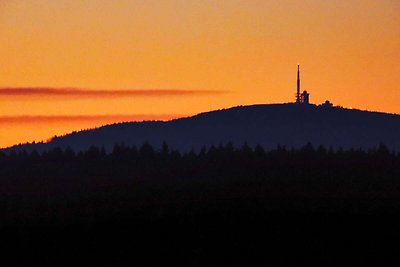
[[246, 51]]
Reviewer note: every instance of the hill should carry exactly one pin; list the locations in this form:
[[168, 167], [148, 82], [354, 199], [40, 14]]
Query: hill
[[290, 125], [223, 206]]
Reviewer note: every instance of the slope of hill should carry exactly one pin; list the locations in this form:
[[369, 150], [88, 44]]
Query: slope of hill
[[268, 125]]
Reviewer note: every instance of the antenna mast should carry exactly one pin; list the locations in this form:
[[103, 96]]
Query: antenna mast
[[298, 98]]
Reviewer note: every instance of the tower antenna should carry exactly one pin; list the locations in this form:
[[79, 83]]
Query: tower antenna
[[298, 85]]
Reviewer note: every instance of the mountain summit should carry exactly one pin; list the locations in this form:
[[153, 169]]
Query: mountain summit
[[291, 125]]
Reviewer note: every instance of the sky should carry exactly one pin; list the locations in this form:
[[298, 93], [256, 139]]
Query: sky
[[70, 65]]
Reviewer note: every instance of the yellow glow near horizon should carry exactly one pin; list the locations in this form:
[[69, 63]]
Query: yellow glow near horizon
[[349, 52]]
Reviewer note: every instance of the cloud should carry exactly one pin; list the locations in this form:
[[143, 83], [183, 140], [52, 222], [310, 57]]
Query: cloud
[[87, 118], [106, 93]]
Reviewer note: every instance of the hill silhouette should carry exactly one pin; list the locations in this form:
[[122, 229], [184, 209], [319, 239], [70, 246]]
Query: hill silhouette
[[270, 125], [223, 206]]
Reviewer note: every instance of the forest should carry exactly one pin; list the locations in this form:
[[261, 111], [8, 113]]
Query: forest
[[220, 206]]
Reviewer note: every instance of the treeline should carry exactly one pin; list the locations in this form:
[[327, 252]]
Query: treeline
[[204, 208], [222, 162], [312, 173]]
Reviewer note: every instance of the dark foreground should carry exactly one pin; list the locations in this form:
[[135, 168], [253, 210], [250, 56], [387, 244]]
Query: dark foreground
[[219, 207]]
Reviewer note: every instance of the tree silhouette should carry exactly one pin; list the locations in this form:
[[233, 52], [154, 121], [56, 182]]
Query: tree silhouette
[[219, 201]]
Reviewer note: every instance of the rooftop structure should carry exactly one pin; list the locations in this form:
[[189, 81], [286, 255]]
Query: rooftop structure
[[304, 97]]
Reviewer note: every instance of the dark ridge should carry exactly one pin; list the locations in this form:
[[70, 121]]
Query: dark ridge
[[292, 125]]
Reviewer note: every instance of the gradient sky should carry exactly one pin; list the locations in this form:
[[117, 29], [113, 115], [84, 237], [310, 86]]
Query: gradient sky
[[67, 65]]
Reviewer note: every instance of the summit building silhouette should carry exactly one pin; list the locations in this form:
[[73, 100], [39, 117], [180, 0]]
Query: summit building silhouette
[[304, 97]]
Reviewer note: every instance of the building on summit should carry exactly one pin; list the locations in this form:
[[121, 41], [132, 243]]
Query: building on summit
[[327, 104], [304, 97]]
